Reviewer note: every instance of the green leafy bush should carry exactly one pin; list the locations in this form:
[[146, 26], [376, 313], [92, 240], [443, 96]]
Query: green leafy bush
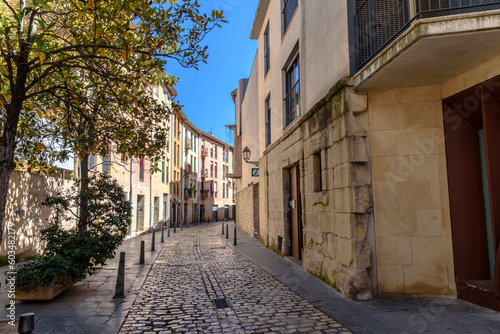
[[72, 254]]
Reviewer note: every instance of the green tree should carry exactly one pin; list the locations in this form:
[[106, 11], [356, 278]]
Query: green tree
[[48, 47]]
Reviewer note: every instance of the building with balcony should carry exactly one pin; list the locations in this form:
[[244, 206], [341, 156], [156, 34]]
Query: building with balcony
[[216, 189], [161, 196], [190, 173], [177, 120], [376, 148]]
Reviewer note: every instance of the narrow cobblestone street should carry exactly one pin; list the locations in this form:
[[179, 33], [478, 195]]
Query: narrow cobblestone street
[[196, 268]]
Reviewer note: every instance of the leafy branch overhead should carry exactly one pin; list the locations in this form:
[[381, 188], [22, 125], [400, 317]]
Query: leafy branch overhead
[[68, 66]]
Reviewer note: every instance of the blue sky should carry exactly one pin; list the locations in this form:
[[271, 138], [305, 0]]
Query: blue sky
[[206, 94]]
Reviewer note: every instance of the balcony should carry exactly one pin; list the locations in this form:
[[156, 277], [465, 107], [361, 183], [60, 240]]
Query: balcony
[[204, 153], [204, 194], [409, 43], [187, 144], [189, 193], [204, 174], [188, 169]]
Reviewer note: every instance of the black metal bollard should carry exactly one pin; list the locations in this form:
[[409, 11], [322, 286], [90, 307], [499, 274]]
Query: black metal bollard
[[168, 231], [26, 323], [222, 228], [120, 280], [227, 231], [153, 242], [141, 256], [234, 236], [162, 236]]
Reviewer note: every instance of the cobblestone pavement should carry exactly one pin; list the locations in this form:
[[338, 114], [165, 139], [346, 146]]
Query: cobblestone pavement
[[197, 267]]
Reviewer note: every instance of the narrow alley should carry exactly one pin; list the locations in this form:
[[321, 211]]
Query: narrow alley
[[200, 284]]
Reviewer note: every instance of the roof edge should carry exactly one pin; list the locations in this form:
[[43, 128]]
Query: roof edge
[[258, 21]]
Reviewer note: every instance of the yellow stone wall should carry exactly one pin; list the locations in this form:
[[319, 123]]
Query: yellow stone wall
[[24, 208], [410, 190]]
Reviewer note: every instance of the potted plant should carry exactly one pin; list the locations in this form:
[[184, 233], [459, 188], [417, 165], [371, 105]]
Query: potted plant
[[72, 254]]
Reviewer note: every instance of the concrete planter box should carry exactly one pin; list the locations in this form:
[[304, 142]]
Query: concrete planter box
[[44, 292]]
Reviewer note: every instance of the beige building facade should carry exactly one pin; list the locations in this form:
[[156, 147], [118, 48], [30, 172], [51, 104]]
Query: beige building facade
[[376, 148]]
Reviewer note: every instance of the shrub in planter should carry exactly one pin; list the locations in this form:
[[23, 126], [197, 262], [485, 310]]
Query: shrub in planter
[[70, 255]]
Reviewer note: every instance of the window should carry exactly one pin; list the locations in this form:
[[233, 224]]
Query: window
[[317, 171], [289, 7], [215, 170], [215, 188], [175, 127], [223, 191], [166, 177], [211, 169], [215, 151], [141, 169], [175, 155], [267, 50], [194, 166], [211, 150], [163, 171], [292, 97], [105, 165], [268, 120], [91, 162]]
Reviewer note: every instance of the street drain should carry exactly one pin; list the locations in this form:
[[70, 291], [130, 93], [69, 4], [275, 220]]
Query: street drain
[[221, 303]]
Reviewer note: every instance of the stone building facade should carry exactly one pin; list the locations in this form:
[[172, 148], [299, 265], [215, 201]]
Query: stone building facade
[[329, 146], [378, 150], [247, 210]]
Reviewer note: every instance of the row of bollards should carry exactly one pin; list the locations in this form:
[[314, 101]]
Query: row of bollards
[[27, 320], [235, 243]]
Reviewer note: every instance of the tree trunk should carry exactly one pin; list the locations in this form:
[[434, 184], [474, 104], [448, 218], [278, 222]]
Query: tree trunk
[[84, 186], [84, 177], [7, 149]]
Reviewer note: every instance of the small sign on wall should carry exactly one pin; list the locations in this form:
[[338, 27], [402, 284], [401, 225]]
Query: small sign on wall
[[255, 172]]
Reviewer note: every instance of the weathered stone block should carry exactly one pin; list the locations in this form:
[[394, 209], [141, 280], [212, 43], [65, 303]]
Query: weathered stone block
[[355, 284], [356, 101], [362, 199], [353, 126], [361, 175], [358, 151], [345, 251], [363, 255], [313, 261], [342, 176]]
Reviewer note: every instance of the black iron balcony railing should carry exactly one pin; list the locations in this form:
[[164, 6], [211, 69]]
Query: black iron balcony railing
[[380, 22]]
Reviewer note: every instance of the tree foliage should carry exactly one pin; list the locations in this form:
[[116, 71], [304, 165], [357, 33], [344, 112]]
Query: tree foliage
[[72, 254], [76, 71]]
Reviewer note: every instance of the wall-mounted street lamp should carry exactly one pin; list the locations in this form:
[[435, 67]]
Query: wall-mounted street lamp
[[246, 157]]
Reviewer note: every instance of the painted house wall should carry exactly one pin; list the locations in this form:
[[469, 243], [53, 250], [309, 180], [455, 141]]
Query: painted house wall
[[322, 63]]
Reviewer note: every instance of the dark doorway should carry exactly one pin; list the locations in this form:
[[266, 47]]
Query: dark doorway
[[215, 210], [295, 214], [472, 131], [202, 212]]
